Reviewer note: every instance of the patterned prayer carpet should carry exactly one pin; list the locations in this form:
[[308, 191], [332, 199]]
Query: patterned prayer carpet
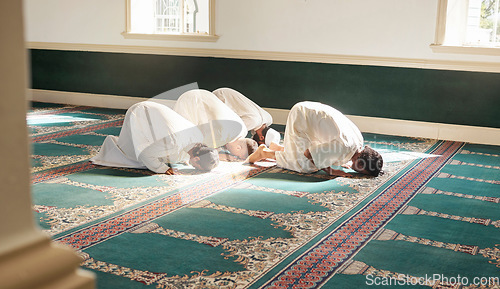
[[432, 217]]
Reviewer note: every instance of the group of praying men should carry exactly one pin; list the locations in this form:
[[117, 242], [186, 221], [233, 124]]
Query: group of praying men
[[204, 127]]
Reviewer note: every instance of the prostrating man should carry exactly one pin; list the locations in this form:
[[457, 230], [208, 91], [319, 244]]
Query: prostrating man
[[318, 136], [219, 125], [154, 136], [255, 118]]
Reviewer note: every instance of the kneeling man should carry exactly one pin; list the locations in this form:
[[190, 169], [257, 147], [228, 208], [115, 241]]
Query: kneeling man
[[256, 119], [219, 124], [153, 136], [318, 136]]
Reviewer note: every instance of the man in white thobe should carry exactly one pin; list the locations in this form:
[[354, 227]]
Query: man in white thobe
[[219, 124], [153, 136], [256, 119], [318, 136]]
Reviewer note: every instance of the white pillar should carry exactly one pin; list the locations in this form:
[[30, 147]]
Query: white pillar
[[28, 258]]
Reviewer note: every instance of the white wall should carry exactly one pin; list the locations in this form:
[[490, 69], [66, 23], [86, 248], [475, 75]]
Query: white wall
[[382, 28]]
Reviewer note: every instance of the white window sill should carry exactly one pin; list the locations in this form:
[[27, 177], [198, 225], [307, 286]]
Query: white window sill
[[494, 51], [172, 37]]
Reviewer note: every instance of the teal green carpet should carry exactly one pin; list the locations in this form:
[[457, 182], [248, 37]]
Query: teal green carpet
[[434, 216], [447, 235]]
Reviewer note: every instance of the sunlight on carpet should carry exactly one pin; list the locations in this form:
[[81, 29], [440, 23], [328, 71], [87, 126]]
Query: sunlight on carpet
[[434, 211]]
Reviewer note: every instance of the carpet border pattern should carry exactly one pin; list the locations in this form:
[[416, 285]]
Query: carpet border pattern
[[73, 131], [114, 226], [320, 262], [73, 168]]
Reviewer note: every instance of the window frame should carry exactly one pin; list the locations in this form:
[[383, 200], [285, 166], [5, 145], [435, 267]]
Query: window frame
[[210, 37], [438, 45]]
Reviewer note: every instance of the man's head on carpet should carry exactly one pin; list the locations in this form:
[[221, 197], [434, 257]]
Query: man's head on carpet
[[260, 135], [369, 162], [204, 158], [242, 147]]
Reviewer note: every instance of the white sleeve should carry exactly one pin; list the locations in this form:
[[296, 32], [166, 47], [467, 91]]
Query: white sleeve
[[328, 154], [295, 161], [150, 157]]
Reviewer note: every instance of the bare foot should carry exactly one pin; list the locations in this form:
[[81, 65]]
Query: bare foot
[[256, 155], [276, 147]]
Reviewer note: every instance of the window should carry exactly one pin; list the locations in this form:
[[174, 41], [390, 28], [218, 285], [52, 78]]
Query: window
[[171, 19], [468, 26]]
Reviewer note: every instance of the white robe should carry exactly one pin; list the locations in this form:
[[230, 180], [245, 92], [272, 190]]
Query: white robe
[[152, 135], [329, 135], [218, 123], [252, 115]]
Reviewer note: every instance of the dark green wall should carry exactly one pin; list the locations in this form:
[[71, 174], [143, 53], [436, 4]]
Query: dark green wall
[[456, 97]]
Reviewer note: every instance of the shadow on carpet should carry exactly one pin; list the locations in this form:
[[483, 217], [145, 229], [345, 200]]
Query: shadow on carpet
[[435, 211]]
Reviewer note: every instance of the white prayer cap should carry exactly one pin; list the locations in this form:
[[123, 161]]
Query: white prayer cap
[[272, 136]]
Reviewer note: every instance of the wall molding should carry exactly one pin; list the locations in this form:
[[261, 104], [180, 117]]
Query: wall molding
[[479, 50], [441, 131], [171, 37], [476, 66]]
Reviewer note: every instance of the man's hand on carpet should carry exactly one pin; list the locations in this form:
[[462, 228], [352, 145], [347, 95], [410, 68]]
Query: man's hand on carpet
[[171, 171], [347, 165], [337, 173]]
